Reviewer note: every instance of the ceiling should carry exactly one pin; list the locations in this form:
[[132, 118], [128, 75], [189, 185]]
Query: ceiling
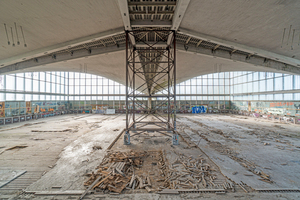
[[212, 36], [253, 23]]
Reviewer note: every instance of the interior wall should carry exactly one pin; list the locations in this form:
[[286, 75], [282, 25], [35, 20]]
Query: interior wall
[[283, 108]]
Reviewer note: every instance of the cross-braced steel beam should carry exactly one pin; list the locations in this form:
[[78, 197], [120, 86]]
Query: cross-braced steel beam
[[150, 73]]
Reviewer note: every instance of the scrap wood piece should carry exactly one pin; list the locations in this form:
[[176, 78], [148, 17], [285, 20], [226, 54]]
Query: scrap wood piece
[[53, 193], [118, 170], [266, 180], [141, 185], [90, 187], [17, 147], [119, 187], [168, 191], [242, 187], [148, 189], [96, 185]]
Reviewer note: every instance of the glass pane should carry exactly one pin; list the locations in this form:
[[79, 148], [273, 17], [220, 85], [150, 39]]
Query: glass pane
[[288, 83], [20, 84], [270, 84], [42, 76], [48, 87], [297, 82], [10, 82], [35, 85], [278, 83], [262, 86], [28, 83], [42, 86], [88, 89]]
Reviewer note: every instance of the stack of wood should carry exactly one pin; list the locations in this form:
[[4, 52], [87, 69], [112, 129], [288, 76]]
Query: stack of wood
[[117, 171], [140, 182], [189, 172]]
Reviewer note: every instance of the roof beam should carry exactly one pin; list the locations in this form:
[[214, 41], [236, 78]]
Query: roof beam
[[154, 44], [62, 57], [123, 5], [150, 13], [151, 23], [241, 47], [180, 9], [254, 60], [154, 3], [61, 46]]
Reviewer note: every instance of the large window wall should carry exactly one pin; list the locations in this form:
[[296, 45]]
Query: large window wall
[[55, 86], [34, 86], [206, 87], [264, 86], [223, 86], [84, 86]]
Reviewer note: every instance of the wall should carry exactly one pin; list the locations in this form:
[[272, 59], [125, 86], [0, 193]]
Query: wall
[[17, 108], [288, 108]]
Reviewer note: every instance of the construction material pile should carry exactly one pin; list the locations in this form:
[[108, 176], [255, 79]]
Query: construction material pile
[[117, 172], [196, 173]]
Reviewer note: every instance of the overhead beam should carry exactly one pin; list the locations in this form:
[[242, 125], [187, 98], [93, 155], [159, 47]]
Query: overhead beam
[[151, 13], [62, 57], [254, 60], [180, 9], [156, 44], [54, 48], [151, 23], [123, 5], [154, 3], [241, 47]]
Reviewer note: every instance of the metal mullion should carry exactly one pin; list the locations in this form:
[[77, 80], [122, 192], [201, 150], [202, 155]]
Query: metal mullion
[[174, 74], [4, 84], [133, 87], [24, 88], [168, 86], [68, 95], [127, 81], [32, 85], [39, 85]]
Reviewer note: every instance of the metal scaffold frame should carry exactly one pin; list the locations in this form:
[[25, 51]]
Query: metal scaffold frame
[[150, 73]]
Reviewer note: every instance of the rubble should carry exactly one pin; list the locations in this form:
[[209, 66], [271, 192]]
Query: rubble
[[117, 172]]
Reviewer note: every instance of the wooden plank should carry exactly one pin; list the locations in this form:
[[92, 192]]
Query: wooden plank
[[168, 191], [67, 192], [101, 181], [90, 187]]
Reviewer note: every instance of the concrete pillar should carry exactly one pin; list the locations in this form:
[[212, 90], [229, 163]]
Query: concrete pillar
[[149, 103]]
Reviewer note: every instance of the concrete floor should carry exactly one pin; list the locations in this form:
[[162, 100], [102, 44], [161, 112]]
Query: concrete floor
[[227, 142]]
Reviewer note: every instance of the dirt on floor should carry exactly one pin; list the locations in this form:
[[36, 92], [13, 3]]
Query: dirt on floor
[[231, 154]]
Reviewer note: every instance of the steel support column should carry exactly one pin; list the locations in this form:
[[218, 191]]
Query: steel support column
[[150, 73]]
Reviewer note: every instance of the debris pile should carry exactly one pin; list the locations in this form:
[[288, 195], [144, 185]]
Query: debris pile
[[116, 172], [188, 172]]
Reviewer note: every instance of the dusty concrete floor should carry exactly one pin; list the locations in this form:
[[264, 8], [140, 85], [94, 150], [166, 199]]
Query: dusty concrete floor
[[63, 158]]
